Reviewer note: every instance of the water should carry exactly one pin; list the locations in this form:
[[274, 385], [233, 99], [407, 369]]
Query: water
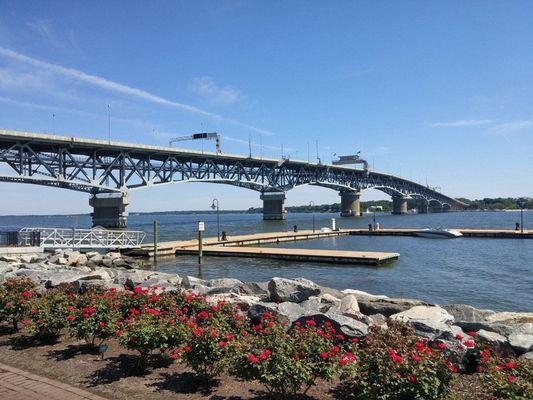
[[486, 273]]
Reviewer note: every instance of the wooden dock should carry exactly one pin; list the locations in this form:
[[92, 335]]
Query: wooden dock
[[328, 256], [467, 233]]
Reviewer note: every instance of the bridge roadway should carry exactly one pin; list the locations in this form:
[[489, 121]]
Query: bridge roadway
[[108, 170]]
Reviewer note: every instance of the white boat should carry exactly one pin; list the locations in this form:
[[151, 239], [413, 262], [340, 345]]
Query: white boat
[[438, 233]]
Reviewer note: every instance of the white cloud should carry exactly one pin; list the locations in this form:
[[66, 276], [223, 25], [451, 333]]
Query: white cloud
[[12, 79], [44, 28], [18, 103], [461, 123], [512, 127], [206, 87], [112, 86]]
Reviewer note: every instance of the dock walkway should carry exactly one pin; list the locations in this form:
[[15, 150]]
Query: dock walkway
[[246, 245]]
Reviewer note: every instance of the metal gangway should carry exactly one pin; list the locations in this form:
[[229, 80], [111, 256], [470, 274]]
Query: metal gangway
[[96, 238]]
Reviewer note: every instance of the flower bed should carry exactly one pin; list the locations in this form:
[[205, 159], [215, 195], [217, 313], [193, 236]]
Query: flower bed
[[287, 360]]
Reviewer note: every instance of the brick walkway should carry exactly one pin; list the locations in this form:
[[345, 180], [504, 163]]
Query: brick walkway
[[20, 385]]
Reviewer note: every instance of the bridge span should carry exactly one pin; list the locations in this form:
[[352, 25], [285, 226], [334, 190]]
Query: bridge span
[[108, 170]]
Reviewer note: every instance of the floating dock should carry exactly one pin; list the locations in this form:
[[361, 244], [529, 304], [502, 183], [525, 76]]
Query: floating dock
[[328, 256], [467, 233]]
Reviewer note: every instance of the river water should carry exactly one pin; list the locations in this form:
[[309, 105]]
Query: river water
[[486, 273]]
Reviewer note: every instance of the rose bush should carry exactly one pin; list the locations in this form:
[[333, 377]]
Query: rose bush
[[47, 316], [210, 336], [15, 296], [395, 364], [94, 316], [506, 378], [286, 361]]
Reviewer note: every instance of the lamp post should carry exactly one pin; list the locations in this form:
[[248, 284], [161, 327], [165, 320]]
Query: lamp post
[[374, 210], [312, 205], [214, 206]]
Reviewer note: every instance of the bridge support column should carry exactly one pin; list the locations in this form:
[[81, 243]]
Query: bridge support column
[[273, 205], [423, 206], [350, 204], [109, 210], [399, 205]]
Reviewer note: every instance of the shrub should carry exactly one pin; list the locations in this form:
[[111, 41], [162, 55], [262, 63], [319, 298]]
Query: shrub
[[395, 364], [506, 378], [47, 315], [15, 296], [94, 317], [284, 361], [147, 333], [210, 336]]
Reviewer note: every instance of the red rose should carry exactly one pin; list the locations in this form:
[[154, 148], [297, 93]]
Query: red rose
[[253, 359]]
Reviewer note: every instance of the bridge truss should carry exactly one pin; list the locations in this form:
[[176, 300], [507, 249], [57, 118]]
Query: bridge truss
[[96, 166]]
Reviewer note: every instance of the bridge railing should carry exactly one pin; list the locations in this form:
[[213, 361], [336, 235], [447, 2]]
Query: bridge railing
[[81, 238]]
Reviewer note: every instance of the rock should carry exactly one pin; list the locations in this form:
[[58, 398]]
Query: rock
[[388, 306], [377, 320], [72, 257], [82, 260], [257, 310], [295, 291], [319, 304], [495, 340], [527, 356], [27, 258], [467, 316], [95, 259], [108, 262], [190, 281], [431, 322], [252, 288], [521, 338], [510, 318], [113, 255], [8, 258], [243, 301], [223, 282], [61, 261], [349, 327], [360, 295], [91, 254], [119, 263], [289, 312], [348, 306]]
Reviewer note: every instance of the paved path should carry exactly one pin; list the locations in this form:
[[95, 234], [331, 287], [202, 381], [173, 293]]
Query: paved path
[[16, 384]]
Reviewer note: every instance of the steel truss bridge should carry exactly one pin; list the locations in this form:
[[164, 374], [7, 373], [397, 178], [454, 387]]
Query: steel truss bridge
[[105, 167]]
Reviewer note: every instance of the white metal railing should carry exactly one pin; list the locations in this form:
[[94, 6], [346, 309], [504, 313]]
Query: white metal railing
[[82, 238]]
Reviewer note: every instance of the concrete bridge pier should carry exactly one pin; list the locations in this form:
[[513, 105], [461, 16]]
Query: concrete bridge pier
[[399, 205], [273, 205], [350, 204], [423, 206], [109, 210]]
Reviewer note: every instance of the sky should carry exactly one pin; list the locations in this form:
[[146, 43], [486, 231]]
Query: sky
[[438, 92]]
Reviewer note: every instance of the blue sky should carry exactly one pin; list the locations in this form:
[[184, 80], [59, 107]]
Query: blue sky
[[442, 90]]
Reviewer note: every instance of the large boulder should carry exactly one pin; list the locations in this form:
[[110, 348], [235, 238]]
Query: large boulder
[[521, 338], [431, 322], [296, 291], [348, 306], [360, 295], [387, 306], [494, 340], [243, 301], [468, 317], [252, 288], [289, 312], [258, 309], [349, 327]]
